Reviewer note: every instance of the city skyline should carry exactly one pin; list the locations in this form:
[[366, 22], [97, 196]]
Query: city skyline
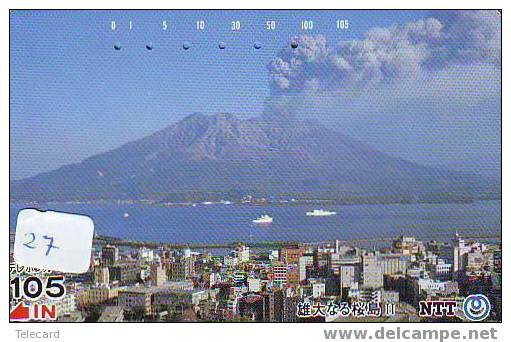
[[295, 282]]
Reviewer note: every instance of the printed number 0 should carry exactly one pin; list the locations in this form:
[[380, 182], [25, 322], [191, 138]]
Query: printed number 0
[[38, 288]]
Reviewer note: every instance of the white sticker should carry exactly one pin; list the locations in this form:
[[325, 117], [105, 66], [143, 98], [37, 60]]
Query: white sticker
[[53, 240]]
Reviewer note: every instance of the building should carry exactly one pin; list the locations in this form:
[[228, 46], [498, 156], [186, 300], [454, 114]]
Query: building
[[97, 295], [291, 254], [407, 245], [125, 273], [112, 314], [109, 255], [471, 256], [405, 286], [158, 275], [440, 270], [65, 305], [347, 276], [210, 279], [497, 260], [460, 249], [478, 260], [276, 303], [366, 295], [177, 301], [279, 274], [252, 306], [231, 261], [318, 289], [232, 307], [394, 263], [389, 296], [242, 253], [239, 278], [438, 288], [254, 284], [179, 285], [293, 275], [290, 305], [137, 299], [305, 263], [347, 258], [146, 254], [182, 268], [372, 275], [273, 255], [102, 275]]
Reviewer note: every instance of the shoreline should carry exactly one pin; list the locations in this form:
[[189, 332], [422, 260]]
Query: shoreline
[[324, 202], [105, 240]]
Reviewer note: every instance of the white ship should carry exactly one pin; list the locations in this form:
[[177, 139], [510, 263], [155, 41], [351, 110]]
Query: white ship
[[263, 219], [320, 212]]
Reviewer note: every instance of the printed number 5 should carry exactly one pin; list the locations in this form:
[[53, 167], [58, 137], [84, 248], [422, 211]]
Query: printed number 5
[[55, 282]]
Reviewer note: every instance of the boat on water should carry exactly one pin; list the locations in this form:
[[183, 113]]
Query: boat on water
[[263, 219], [320, 212]]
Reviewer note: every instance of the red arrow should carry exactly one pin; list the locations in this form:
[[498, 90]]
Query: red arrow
[[20, 312]]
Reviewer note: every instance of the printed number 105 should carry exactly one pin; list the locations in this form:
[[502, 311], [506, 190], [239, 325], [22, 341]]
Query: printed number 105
[[33, 287]]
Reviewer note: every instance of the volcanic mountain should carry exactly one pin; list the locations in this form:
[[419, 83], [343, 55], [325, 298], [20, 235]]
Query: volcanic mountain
[[209, 156]]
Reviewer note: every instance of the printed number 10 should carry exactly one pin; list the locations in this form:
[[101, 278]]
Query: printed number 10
[[201, 25]]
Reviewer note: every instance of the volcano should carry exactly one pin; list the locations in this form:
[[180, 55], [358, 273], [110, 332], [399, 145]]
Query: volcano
[[214, 156]]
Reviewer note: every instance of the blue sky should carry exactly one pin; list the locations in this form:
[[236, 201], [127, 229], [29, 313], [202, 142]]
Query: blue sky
[[73, 95]]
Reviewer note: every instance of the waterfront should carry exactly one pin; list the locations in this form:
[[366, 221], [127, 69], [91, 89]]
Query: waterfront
[[221, 223], [176, 263], [327, 282]]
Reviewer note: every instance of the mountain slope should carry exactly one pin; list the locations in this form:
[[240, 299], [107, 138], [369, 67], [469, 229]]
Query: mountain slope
[[221, 153]]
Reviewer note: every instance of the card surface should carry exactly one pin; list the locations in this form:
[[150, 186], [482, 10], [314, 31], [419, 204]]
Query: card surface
[[256, 166]]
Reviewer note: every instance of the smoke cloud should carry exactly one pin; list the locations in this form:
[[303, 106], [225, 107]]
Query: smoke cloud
[[398, 52], [428, 91]]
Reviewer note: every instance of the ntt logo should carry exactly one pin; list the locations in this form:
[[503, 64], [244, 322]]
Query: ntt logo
[[476, 307]]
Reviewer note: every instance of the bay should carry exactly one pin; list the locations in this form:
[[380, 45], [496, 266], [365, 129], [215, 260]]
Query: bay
[[222, 223]]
